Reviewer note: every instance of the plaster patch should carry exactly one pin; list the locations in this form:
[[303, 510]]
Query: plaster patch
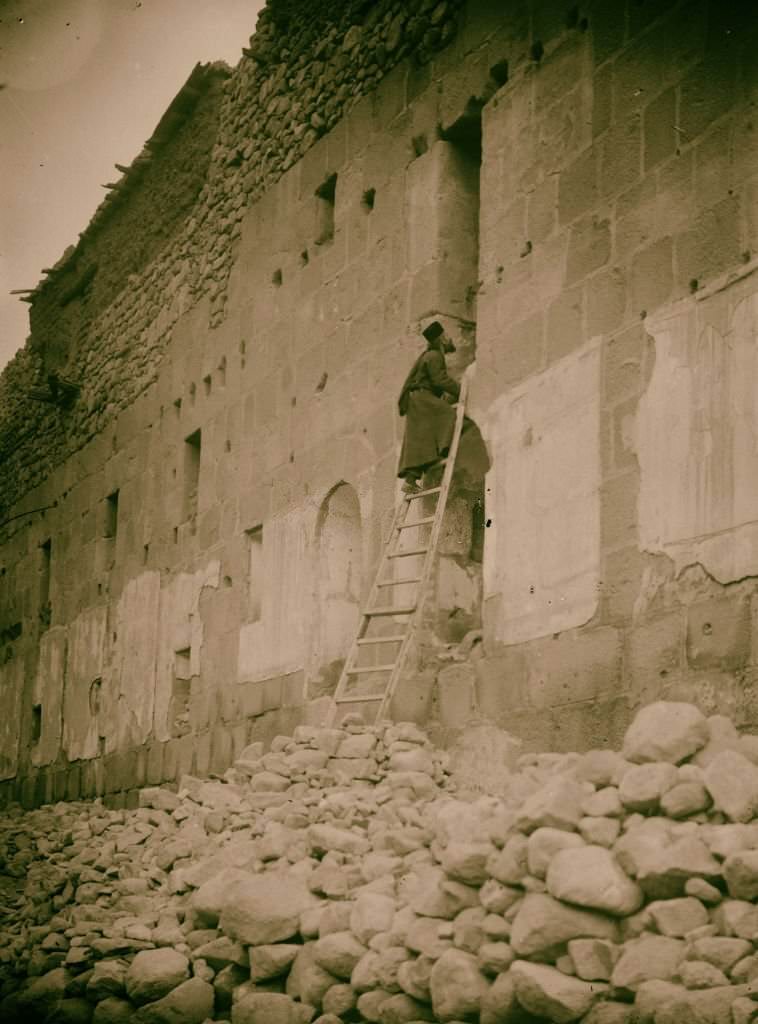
[[48, 693], [84, 664], [542, 547], [275, 644], [11, 687], [697, 435]]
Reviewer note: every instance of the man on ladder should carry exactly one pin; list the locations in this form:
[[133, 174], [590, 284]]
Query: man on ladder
[[430, 418]]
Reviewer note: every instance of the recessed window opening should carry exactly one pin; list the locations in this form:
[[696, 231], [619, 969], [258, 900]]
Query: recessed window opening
[[207, 384], [110, 526], [326, 193], [192, 392], [367, 202], [46, 557], [192, 450], [178, 405], [276, 278], [36, 723], [222, 372], [255, 573]]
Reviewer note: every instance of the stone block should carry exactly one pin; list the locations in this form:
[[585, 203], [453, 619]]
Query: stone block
[[293, 689], [608, 23], [577, 186], [521, 352], [618, 510], [620, 156], [272, 693], [624, 451], [652, 276], [639, 73], [622, 579], [623, 360], [718, 633], [706, 93], [658, 129], [154, 767], [502, 683], [589, 248], [602, 99], [606, 301], [565, 327], [574, 666], [541, 210], [221, 749], [202, 758], [456, 695], [653, 654], [73, 782], [710, 246], [251, 698], [412, 700]]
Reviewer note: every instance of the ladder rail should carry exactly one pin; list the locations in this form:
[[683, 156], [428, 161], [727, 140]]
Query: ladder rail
[[429, 557], [409, 628]]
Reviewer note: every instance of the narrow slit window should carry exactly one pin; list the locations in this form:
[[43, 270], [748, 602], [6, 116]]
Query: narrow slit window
[[255, 573], [326, 193], [192, 450], [46, 558], [36, 723], [111, 516]]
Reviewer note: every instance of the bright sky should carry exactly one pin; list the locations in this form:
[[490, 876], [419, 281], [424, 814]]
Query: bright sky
[[84, 82]]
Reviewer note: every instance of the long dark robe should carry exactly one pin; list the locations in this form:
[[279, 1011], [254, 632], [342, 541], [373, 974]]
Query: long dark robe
[[429, 419]]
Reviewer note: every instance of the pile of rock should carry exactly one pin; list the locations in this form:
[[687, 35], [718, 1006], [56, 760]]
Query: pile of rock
[[343, 876]]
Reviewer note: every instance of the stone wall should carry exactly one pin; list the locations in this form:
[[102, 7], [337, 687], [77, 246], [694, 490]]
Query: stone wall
[[580, 182], [614, 350]]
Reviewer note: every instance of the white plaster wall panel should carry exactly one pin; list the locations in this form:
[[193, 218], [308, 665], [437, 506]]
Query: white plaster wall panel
[[48, 692], [697, 434], [129, 686], [275, 644], [542, 551], [179, 628], [84, 664], [12, 688]]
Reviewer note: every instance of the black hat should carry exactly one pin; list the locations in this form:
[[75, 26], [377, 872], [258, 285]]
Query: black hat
[[433, 330]]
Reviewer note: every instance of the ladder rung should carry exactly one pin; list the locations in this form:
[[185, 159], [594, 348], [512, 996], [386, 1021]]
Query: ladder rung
[[359, 700], [419, 522], [399, 583], [391, 611], [381, 640], [406, 554], [423, 494], [369, 668]]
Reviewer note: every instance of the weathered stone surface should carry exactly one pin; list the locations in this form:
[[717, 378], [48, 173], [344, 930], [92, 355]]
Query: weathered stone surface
[[456, 986], [542, 923], [371, 914], [741, 874], [338, 953], [593, 959], [188, 1003], [732, 781], [684, 799], [547, 993], [266, 1008], [590, 876], [543, 845], [665, 731], [643, 786], [647, 958], [677, 917], [153, 973], [264, 909], [271, 961], [557, 804]]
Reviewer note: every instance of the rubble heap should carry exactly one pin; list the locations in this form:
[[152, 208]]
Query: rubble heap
[[345, 876]]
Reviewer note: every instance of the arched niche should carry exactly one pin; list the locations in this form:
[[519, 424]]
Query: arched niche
[[338, 583]]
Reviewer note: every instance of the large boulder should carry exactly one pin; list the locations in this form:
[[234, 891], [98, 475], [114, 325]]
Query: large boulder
[[552, 995], [591, 877], [543, 924], [262, 909], [457, 986], [732, 781], [153, 973], [189, 1003], [665, 731]]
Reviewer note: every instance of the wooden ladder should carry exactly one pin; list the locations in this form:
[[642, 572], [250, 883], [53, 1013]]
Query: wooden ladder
[[365, 661]]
